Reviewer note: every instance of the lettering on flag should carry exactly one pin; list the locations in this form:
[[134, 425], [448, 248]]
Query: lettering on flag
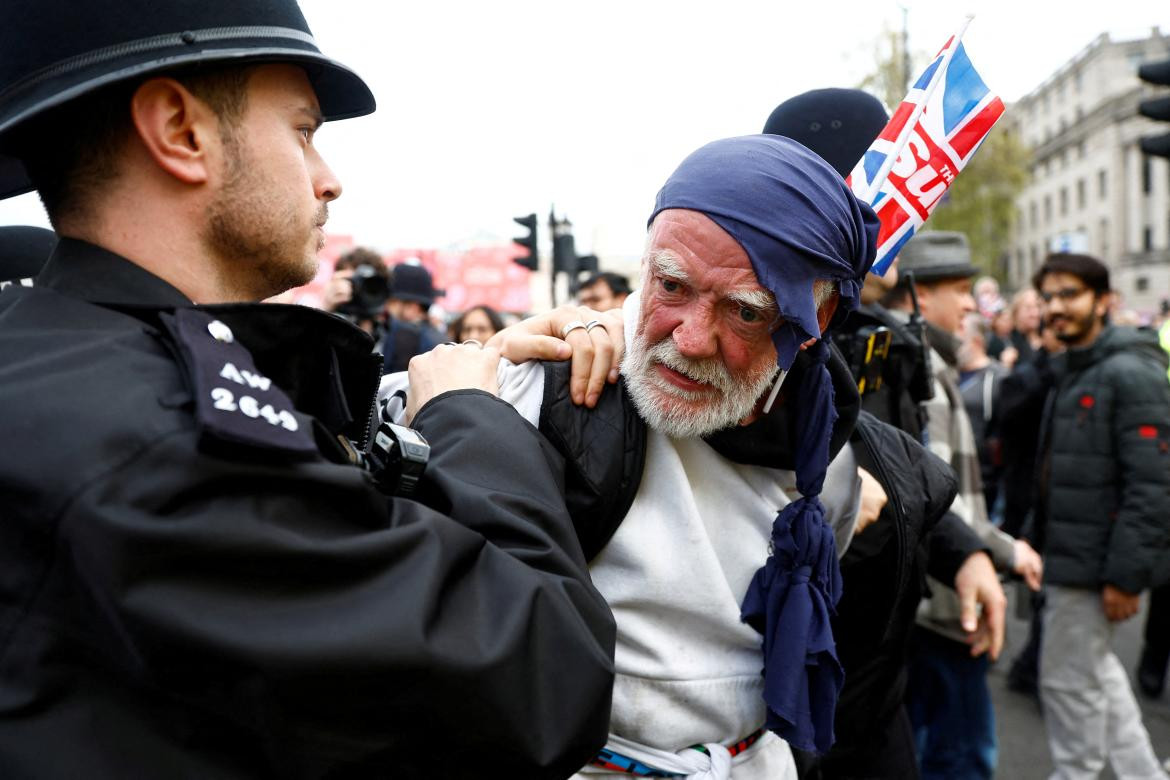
[[931, 137]]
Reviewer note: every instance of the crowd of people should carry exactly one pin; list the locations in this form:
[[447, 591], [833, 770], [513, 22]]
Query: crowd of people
[[747, 520]]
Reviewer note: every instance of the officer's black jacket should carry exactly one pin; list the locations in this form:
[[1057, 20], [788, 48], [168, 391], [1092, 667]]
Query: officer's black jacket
[[179, 597]]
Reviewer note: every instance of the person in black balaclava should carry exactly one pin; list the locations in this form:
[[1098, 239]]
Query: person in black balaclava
[[882, 570]]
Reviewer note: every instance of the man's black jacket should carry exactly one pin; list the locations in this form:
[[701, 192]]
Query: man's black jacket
[[193, 583], [1106, 509]]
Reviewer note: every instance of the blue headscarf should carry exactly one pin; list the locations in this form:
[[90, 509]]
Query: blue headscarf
[[798, 223]]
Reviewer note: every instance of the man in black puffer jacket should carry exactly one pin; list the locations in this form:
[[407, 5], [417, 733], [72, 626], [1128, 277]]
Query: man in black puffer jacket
[[1104, 517]]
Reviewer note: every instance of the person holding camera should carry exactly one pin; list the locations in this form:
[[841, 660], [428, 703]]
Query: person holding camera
[[359, 289]]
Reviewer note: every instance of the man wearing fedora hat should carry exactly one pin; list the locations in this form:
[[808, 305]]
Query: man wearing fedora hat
[[947, 695], [883, 571], [198, 578]]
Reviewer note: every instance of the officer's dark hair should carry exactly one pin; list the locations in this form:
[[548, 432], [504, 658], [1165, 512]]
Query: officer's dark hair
[[617, 283], [72, 152], [362, 256], [1088, 269]]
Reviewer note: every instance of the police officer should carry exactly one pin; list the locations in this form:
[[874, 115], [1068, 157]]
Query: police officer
[[197, 578]]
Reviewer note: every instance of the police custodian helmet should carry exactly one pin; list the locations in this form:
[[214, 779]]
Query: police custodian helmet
[[53, 51]]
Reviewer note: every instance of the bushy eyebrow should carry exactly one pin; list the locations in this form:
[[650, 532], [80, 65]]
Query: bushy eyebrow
[[664, 263], [761, 300]]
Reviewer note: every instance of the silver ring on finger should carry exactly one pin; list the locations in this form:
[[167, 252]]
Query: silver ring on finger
[[570, 327], [450, 344], [476, 342], [591, 325]]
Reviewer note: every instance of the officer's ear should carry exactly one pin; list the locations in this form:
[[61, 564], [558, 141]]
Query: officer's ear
[[176, 129]]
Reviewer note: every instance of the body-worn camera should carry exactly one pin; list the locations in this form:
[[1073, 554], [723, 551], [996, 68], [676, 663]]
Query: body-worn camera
[[397, 458]]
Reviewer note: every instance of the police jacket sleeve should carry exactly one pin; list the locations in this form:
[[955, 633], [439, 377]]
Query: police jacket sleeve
[[345, 629], [1141, 432]]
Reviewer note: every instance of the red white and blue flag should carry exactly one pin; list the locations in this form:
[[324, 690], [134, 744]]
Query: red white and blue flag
[[931, 137]]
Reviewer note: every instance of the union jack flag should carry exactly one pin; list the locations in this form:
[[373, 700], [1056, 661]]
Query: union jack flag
[[931, 137]]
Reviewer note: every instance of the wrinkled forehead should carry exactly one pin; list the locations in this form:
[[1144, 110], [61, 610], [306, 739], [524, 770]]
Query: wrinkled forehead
[[699, 247]]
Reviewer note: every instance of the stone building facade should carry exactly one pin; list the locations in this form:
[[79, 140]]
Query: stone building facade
[[1092, 190]]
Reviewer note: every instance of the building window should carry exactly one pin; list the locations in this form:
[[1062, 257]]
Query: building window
[[1032, 215], [1080, 148], [1032, 258], [1146, 183], [1103, 239], [1063, 201], [1147, 239], [1081, 193], [1047, 209], [1141, 284], [1102, 178]]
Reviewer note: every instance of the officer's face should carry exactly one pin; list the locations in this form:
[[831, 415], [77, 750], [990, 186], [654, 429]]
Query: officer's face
[[702, 353], [266, 221]]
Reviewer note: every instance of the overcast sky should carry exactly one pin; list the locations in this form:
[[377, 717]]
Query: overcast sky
[[489, 110]]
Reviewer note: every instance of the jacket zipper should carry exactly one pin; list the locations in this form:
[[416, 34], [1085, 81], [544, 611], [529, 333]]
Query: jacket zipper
[[365, 441]]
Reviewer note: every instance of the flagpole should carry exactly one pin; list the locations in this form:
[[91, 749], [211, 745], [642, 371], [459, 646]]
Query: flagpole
[[904, 134]]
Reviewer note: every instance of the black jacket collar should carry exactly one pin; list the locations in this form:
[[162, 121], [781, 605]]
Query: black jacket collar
[[83, 270]]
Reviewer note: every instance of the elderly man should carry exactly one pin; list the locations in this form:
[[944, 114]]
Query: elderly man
[[199, 577], [709, 510]]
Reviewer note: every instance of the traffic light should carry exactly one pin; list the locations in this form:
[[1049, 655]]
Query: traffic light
[[1156, 108], [531, 261], [564, 247], [586, 264]]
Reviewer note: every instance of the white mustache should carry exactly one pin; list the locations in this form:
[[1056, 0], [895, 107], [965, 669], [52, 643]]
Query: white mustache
[[708, 371]]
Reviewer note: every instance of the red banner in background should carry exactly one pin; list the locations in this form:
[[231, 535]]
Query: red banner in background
[[478, 276]]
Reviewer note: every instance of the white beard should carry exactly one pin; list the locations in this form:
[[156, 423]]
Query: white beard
[[671, 410]]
